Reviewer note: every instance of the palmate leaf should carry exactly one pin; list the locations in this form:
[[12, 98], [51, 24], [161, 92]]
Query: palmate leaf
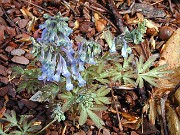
[[149, 75], [150, 80], [83, 115], [11, 118], [96, 119]]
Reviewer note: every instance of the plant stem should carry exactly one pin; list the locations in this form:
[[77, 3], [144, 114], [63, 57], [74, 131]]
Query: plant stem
[[46, 127]]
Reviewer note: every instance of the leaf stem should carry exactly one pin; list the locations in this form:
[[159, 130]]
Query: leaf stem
[[46, 127]]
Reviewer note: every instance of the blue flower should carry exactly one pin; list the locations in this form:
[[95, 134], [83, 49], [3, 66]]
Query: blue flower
[[113, 46], [125, 49], [81, 66], [57, 77], [69, 55], [81, 81], [65, 71], [69, 85]]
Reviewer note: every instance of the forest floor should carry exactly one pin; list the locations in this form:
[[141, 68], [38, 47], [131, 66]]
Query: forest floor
[[134, 111]]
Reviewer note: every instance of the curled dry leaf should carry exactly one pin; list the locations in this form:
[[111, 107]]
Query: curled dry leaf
[[32, 22], [152, 110], [20, 60], [173, 121], [100, 25], [170, 55]]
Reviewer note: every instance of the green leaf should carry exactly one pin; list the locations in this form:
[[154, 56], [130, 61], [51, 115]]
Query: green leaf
[[1, 132], [68, 104], [16, 132], [108, 36], [18, 70], [147, 64], [11, 118], [140, 82], [83, 115], [103, 91], [96, 119], [103, 81], [102, 100], [128, 80], [99, 108], [150, 80], [66, 95]]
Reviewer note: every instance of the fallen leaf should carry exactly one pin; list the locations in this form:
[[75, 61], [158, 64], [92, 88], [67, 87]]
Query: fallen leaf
[[2, 111], [100, 24], [171, 56], [173, 121], [20, 60]]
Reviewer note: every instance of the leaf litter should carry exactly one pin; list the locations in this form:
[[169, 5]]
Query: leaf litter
[[19, 23]]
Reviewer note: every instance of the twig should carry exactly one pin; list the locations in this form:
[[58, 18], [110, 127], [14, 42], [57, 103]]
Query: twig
[[68, 6], [116, 15], [157, 2], [101, 16], [119, 120], [162, 102], [46, 127], [170, 6], [129, 10], [174, 90], [38, 7]]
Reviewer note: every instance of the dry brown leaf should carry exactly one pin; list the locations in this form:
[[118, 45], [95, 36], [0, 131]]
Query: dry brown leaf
[[173, 121], [152, 110], [31, 24], [171, 56]]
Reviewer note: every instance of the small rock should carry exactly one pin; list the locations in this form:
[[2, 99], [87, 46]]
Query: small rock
[[17, 52], [4, 80], [3, 91], [20, 60]]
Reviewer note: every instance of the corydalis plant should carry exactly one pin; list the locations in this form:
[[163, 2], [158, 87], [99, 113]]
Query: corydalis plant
[[84, 101], [57, 56], [18, 127], [135, 36], [135, 72]]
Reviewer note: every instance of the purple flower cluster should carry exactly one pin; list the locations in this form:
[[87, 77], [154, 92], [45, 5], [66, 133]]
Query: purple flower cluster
[[55, 66], [57, 55], [55, 31]]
